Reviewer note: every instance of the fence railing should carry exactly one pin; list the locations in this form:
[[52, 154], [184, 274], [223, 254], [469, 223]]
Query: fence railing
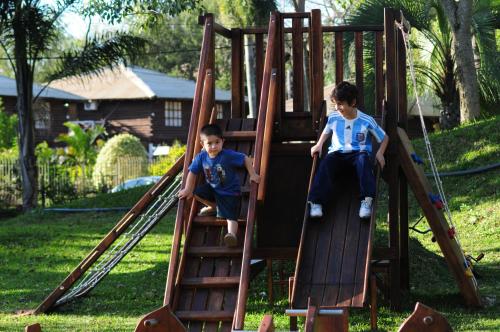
[[60, 182]]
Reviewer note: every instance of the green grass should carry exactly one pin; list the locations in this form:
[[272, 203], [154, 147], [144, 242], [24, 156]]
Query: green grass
[[38, 250]]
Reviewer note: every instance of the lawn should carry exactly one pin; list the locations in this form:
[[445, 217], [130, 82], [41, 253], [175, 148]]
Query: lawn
[[38, 250]]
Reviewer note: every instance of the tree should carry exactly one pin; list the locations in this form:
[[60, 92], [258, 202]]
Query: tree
[[459, 15], [28, 28], [440, 72]]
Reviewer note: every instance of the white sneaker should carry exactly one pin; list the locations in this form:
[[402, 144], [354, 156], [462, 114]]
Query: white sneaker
[[365, 210], [316, 210]]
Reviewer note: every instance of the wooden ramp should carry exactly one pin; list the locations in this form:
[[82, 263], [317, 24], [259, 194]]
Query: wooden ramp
[[207, 286], [334, 253], [438, 223]]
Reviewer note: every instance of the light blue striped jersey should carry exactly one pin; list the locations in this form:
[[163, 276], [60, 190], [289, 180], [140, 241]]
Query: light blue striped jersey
[[354, 134]]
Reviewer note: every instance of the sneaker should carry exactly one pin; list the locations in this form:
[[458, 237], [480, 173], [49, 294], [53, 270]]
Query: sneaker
[[365, 210], [230, 240], [316, 210], [207, 211]]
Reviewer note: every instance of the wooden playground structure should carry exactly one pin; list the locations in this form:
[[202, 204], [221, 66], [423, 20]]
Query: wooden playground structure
[[207, 283]]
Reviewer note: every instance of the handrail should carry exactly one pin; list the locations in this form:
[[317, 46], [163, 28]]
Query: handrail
[[205, 61], [110, 238], [268, 132], [204, 115], [306, 212], [268, 88]]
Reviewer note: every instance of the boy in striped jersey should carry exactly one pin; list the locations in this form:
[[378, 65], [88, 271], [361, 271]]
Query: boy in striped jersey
[[351, 132]]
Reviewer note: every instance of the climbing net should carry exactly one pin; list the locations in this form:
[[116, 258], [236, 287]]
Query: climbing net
[[432, 160], [135, 232]]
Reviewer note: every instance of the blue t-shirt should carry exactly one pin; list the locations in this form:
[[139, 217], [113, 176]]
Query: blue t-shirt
[[352, 135], [220, 171]]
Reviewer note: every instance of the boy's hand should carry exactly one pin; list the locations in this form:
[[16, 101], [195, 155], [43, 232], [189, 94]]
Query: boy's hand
[[185, 193], [255, 178], [315, 149], [381, 160]]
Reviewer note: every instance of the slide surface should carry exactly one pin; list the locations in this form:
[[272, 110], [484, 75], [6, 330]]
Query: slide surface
[[334, 253]]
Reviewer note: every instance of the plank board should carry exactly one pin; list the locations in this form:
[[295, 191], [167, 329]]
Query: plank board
[[437, 221]]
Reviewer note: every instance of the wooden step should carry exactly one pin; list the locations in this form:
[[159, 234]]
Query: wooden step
[[215, 251], [213, 221], [240, 135], [209, 282], [209, 316]]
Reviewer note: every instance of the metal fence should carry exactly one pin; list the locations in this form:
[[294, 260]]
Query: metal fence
[[58, 182]]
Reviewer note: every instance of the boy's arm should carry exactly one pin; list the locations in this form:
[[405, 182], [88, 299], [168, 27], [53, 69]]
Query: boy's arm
[[381, 150], [319, 145], [251, 171], [187, 192]]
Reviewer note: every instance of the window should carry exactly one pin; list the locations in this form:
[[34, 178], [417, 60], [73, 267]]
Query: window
[[173, 114], [220, 111], [41, 115]]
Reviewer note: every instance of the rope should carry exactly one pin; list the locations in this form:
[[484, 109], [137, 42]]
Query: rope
[[134, 234], [435, 173]]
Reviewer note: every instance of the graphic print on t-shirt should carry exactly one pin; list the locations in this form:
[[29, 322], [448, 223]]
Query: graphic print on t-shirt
[[215, 175]]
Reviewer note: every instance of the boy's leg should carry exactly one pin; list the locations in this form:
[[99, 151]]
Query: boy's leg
[[230, 239], [323, 183], [364, 170], [205, 194], [229, 207]]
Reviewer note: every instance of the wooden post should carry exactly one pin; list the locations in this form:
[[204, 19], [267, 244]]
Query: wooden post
[[403, 185], [237, 93], [358, 42], [379, 72], [392, 156], [259, 67], [373, 302], [298, 67], [339, 57], [316, 66]]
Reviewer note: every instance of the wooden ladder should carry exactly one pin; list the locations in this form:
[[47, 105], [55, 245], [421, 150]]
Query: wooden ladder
[[207, 285]]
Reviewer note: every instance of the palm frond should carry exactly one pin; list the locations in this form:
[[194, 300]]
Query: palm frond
[[98, 54]]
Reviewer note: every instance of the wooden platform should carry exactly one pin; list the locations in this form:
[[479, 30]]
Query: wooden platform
[[334, 253], [207, 288]]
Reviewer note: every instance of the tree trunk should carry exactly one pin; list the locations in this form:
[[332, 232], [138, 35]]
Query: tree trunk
[[459, 15], [24, 107], [250, 77]]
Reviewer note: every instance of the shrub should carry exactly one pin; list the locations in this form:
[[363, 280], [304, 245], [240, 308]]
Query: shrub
[[8, 131], [121, 158], [162, 165]]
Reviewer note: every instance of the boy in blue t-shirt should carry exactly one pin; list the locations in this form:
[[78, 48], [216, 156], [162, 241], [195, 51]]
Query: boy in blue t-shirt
[[221, 192], [351, 132]]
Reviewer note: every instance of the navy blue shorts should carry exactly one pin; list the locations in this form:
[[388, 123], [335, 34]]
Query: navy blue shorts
[[228, 207]]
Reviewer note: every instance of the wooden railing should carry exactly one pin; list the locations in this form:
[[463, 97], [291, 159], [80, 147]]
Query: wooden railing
[[206, 64], [267, 109]]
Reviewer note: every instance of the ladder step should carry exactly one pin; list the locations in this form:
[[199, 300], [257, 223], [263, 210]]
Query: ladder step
[[214, 251], [208, 282], [210, 316], [240, 135], [213, 221]]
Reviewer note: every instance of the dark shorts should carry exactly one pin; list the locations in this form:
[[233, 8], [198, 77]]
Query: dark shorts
[[228, 207]]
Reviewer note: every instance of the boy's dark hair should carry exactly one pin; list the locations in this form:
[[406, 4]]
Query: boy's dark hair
[[344, 91], [211, 129]]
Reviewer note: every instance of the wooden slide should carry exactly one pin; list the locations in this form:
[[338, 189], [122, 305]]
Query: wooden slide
[[439, 225], [334, 255]]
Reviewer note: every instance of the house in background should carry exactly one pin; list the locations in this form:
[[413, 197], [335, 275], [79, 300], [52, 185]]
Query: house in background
[[50, 110], [148, 104]]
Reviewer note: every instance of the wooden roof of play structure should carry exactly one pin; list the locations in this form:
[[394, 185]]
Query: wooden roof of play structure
[[207, 284]]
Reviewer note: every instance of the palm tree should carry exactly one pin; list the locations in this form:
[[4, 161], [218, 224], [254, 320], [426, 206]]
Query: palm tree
[[81, 144], [439, 73]]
